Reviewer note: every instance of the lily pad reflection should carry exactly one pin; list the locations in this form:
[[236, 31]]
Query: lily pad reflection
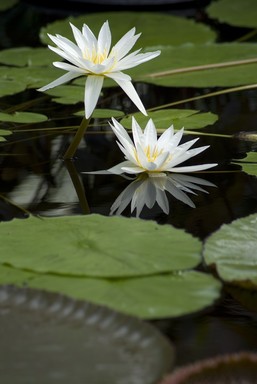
[[61, 340], [146, 190]]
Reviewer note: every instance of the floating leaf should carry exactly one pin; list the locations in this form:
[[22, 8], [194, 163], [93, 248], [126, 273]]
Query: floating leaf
[[5, 132], [158, 71], [96, 245], [232, 250], [249, 163], [187, 118], [237, 12], [67, 94], [6, 4], [29, 77], [147, 297], [27, 56], [103, 113], [9, 87], [23, 117], [156, 29], [237, 368], [52, 327]]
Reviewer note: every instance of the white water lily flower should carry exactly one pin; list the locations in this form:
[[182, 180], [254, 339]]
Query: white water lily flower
[[148, 189], [147, 153], [94, 58]]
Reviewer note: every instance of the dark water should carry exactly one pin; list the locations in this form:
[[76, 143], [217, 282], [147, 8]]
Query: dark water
[[35, 180]]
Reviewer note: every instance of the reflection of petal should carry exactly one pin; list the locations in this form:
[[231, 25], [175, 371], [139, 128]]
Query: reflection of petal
[[148, 190]]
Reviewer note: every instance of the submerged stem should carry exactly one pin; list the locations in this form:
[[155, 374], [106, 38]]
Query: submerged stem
[[78, 186], [77, 139]]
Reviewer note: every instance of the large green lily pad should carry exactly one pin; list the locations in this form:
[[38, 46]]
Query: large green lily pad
[[156, 28], [187, 118], [149, 297], [185, 57], [240, 13], [232, 250], [27, 56], [95, 245]]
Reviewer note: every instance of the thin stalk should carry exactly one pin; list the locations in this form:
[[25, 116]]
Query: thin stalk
[[216, 93], [202, 67], [78, 186], [77, 139]]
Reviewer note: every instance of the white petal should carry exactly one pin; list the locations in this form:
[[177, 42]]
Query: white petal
[[61, 80], [124, 45], [89, 37], [69, 67], [178, 194], [133, 60], [129, 152], [104, 38], [66, 45], [92, 91], [120, 132], [118, 76], [150, 134], [161, 160], [192, 168], [138, 135], [74, 60], [78, 36], [129, 89], [132, 169], [162, 201]]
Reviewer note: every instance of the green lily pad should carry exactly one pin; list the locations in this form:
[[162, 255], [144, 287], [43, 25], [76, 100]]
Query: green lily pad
[[103, 113], [9, 87], [249, 163], [96, 245], [185, 57], [149, 297], [23, 117], [27, 56], [67, 94], [240, 13], [29, 77], [5, 132], [6, 4], [232, 250], [156, 29], [187, 118]]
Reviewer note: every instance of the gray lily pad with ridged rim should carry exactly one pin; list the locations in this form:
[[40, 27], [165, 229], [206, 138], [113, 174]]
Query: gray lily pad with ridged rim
[[62, 340], [96, 245]]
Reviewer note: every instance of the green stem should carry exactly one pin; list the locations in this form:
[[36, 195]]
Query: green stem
[[78, 186], [77, 139]]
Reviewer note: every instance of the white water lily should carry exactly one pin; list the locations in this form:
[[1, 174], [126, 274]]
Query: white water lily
[[150, 154], [148, 189], [94, 58]]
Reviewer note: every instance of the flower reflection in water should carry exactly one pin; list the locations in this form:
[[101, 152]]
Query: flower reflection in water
[[148, 189]]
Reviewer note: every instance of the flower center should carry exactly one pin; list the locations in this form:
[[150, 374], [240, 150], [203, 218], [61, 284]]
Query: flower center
[[152, 154], [94, 56]]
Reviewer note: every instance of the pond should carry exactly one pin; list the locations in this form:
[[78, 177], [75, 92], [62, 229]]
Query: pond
[[176, 250]]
